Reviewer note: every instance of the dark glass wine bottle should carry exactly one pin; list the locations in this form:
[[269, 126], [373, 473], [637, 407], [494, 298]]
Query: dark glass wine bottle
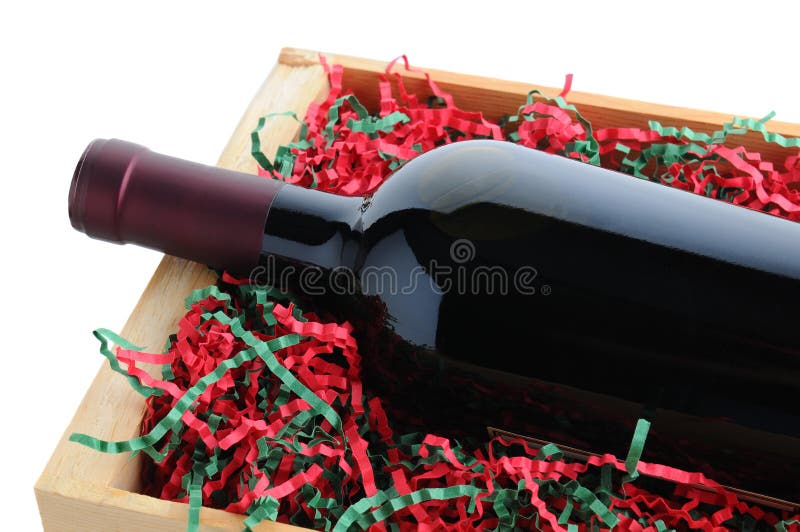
[[494, 285]]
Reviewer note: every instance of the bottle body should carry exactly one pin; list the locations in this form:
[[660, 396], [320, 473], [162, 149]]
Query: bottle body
[[492, 285], [486, 292]]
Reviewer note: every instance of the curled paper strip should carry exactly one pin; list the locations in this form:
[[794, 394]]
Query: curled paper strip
[[260, 409], [275, 430], [343, 148]]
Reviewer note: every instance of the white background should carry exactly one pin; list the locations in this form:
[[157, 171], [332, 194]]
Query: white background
[[176, 76]]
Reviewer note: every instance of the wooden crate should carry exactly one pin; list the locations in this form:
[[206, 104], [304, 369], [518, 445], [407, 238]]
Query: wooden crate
[[82, 489]]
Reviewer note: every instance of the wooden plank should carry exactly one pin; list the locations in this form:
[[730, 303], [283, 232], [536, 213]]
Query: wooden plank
[[83, 489], [497, 97], [96, 507]]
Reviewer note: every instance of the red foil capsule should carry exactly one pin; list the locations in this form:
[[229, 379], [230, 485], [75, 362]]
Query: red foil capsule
[[122, 192]]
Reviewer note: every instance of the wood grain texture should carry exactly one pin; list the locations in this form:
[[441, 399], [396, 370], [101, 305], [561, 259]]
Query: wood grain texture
[[81, 489]]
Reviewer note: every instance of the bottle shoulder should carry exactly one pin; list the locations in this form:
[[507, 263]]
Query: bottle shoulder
[[477, 179], [448, 178]]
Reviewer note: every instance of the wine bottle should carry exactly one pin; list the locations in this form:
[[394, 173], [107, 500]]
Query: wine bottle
[[495, 285]]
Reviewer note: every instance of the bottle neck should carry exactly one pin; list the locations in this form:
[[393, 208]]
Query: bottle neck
[[308, 227], [123, 192]]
